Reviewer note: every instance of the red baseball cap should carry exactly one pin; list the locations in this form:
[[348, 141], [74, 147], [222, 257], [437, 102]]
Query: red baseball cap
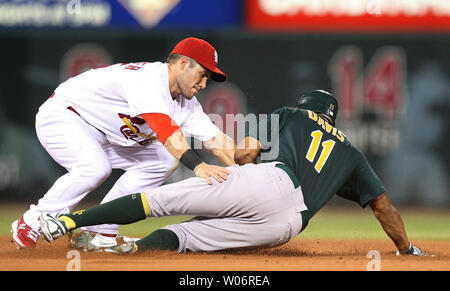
[[204, 53]]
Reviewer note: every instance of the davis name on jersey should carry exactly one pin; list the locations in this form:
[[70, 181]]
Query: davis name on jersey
[[326, 126]]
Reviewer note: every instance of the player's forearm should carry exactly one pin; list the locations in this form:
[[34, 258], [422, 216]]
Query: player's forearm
[[226, 156], [176, 144], [393, 226], [391, 221], [223, 147]]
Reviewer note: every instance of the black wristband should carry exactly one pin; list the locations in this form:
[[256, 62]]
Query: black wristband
[[190, 159]]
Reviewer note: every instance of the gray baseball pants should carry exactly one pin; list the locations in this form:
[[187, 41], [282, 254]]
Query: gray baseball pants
[[258, 206]]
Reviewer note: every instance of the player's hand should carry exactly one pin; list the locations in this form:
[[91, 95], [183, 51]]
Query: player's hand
[[206, 171], [413, 251]]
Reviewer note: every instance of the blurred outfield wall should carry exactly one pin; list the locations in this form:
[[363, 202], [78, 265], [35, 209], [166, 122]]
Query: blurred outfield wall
[[392, 85]]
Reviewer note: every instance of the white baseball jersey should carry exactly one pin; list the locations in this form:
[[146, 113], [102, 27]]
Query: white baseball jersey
[[112, 98]]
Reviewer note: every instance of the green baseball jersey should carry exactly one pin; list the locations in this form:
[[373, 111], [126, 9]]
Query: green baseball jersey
[[320, 156]]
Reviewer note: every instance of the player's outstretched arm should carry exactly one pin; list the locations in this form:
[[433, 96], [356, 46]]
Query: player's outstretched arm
[[171, 136], [392, 223], [177, 145], [223, 147]]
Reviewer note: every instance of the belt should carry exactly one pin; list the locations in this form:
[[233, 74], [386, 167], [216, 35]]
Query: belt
[[290, 174], [296, 184]]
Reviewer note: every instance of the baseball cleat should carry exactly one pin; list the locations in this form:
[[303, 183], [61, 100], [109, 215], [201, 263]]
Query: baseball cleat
[[123, 246], [413, 251], [51, 227], [23, 235], [93, 242]]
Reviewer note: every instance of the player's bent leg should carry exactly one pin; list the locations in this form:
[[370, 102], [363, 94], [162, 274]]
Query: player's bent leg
[[67, 192], [161, 239], [234, 214], [75, 145], [143, 172], [215, 234], [125, 210], [236, 197]]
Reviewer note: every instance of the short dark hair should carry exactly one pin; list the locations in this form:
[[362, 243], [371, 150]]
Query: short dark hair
[[173, 58]]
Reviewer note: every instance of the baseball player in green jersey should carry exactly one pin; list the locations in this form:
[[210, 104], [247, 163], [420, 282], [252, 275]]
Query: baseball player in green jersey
[[306, 162]]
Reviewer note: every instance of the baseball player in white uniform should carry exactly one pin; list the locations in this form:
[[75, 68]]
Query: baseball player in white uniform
[[134, 117]]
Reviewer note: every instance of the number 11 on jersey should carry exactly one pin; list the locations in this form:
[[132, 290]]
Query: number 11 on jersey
[[327, 147]]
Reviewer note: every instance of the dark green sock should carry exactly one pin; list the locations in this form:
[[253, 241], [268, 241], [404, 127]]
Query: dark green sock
[[124, 210], [161, 239]]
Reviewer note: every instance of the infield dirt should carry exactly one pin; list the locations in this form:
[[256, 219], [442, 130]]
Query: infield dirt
[[297, 255]]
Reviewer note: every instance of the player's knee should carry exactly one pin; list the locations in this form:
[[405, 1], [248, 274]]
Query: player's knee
[[102, 173], [95, 174]]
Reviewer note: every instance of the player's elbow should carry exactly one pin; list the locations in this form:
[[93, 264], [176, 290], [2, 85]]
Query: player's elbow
[[247, 151], [242, 157]]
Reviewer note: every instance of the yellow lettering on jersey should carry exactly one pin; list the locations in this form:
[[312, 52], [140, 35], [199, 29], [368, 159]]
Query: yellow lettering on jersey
[[328, 127], [340, 136], [312, 115], [334, 131], [321, 122], [314, 146], [327, 148]]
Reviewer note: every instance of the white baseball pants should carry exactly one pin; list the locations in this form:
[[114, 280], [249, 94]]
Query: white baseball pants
[[89, 158]]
